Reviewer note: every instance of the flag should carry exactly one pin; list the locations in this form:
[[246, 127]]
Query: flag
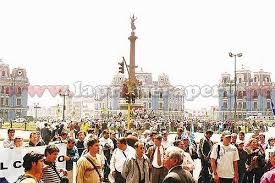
[[273, 107]]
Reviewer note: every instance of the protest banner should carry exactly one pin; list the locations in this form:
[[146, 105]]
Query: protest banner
[[12, 159]]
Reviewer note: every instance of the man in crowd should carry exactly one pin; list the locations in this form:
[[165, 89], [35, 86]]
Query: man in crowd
[[136, 168], [187, 162], [33, 141], [242, 136], [224, 160], [108, 146], [89, 166], [9, 142], [173, 161], [242, 162], [165, 142], [119, 157], [234, 138], [33, 165], [80, 142], [205, 147], [71, 157], [179, 135], [46, 133], [51, 174], [156, 154]]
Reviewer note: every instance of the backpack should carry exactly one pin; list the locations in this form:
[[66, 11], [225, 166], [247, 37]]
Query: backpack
[[22, 177], [218, 151]]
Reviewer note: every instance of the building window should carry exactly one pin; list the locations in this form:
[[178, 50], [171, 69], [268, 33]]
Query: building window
[[255, 79], [160, 106], [19, 91], [239, 105], [3, 73], [7, 102], [268, 95], [2, 102], [267, 79], [240, 80], [7, 90], [255, 94], [225, 105], [240, 94], [145, 105], [244, 105], [255, 105], [224, 94], [160, 95], [268, 105], [150, 105], [150, 95], [2, 89], [244, 93]]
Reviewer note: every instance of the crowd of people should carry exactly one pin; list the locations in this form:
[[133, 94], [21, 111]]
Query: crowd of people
[[106, 152]]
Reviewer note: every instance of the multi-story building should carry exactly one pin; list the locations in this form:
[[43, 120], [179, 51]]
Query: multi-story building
[[13, 92], [254, 94], [158, 96], [78, 108]]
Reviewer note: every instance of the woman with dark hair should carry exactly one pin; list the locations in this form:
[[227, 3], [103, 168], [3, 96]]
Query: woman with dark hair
[[33, 165]]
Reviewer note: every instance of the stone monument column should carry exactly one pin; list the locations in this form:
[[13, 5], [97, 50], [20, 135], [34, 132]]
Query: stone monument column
[[132, 66]]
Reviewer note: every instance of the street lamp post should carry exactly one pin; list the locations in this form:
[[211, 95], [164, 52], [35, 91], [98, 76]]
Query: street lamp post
[[36, 107], [64, 94], [235, 85]]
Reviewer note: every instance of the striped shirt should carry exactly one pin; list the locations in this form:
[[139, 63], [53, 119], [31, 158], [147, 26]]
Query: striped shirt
[[50, 176]]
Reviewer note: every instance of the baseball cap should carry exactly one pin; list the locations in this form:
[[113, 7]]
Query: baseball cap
[[226, 133], [240, 142]]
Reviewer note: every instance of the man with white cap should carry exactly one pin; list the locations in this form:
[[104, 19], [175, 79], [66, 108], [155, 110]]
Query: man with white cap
[[224, 160]]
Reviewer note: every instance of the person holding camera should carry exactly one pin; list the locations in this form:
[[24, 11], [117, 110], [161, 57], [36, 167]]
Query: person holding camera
[[108, 147]]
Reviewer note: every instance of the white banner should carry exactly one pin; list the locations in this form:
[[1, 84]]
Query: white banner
[[11, 160]]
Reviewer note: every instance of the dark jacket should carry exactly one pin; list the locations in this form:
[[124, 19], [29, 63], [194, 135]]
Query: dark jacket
[[178, 175], [73, 153], [241, 163], [205, 147]]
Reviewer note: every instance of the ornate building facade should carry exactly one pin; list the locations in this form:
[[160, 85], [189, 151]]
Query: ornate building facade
[[254, 94], [13, 92], [158, 96]]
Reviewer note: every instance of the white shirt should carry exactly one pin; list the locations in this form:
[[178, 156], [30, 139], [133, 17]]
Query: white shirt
[[118, 158], [187, 163], [155, 157], [228, 154], [7, 143], [103, 141], [166, 144]]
